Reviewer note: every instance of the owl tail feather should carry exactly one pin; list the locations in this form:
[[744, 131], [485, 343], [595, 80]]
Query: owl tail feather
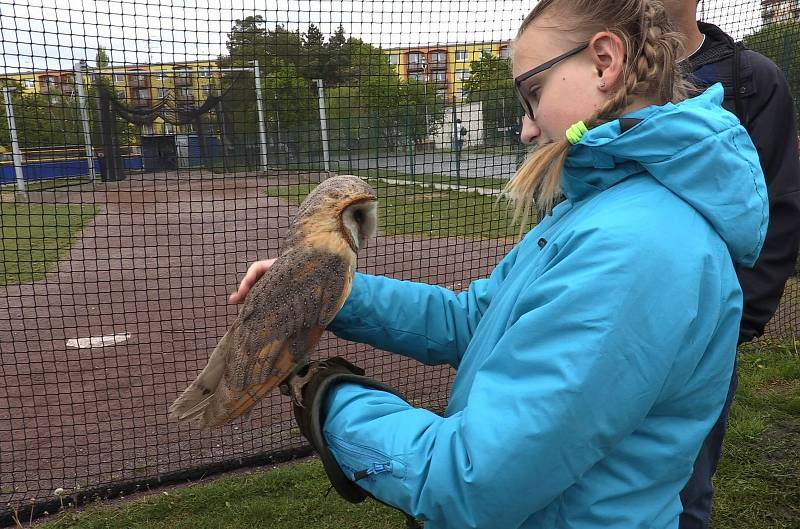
[[193, 401]]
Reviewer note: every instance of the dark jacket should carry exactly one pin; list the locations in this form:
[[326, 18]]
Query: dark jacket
[[766, 110]]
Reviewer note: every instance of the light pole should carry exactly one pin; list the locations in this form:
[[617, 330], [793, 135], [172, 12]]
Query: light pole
[[323, 123], [262, 129], [425, 89], [15, 150], [79, 68]]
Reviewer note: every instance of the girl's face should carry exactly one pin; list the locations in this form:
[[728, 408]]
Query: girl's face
[[569, 91]]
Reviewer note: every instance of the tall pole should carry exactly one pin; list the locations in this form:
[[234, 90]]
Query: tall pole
[[262, 128], [323, 122], [278, 119], [15, 151], [425, 88], [87, 135]]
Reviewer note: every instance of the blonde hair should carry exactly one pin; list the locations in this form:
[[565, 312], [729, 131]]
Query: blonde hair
[[651, 70]]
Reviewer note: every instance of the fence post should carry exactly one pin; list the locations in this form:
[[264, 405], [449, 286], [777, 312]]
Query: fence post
[[262, 128], [87, 135], [15, 151], [323, 122]]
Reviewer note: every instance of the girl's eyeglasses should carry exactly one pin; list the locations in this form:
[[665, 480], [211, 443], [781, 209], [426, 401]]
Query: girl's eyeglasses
[[526, 104]]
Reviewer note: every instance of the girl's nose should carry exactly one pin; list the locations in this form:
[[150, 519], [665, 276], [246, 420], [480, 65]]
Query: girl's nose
[[530, 131]]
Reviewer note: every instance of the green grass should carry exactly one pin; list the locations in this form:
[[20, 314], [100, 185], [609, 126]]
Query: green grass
[[44, 185], [757, 485], [286, 497], [758, 481], [481, 181], [36, 236], [415, 209]]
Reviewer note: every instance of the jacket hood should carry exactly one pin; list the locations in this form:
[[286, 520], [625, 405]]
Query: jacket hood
[[697, 150]]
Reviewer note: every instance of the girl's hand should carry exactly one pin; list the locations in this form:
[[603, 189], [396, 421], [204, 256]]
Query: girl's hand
[[253, 274]]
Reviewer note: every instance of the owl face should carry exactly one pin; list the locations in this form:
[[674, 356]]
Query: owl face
[[360, 220], [344, 204]]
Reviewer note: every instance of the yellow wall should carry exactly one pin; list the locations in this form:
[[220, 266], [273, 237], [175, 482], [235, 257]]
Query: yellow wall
[[459, 58]]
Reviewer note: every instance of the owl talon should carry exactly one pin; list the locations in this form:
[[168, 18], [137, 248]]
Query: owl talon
[[294, 384]]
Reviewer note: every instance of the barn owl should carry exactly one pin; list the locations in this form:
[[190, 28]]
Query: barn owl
[[284, 314]]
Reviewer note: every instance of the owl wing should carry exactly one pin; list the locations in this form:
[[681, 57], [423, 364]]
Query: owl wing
[[282, 320]]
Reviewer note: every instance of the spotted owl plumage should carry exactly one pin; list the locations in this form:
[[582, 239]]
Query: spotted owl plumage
[[283, 316]]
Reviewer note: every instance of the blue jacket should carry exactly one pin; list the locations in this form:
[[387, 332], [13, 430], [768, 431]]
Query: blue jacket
[[595, 358]]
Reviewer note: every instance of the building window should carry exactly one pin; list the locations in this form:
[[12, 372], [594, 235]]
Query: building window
[[30, 83], [414, 58], [461, 93], [163, 93], [461, 55], [440, 76], [169, 128], [394, 59], [205, 73], [417, 76], [505, 52], [147, 129], [120, 94], [161, 75], [207, 89], [119, 77], [143, 93], [438, 56], [462, 75]]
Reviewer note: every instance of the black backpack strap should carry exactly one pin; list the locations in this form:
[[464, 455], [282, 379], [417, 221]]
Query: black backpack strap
[[737, 83]]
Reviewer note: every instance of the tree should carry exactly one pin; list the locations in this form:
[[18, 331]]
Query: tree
[[781, 43], [313, 57], [490, 83], [338, 62], [101, 59]]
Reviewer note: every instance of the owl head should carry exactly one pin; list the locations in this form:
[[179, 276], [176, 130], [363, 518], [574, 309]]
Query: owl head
[[345, 204]]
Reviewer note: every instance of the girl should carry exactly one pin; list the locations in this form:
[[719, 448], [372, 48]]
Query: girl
[[594, 360]]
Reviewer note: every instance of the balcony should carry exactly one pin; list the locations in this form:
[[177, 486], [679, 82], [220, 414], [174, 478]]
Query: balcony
[[437, 59], [138, 80]]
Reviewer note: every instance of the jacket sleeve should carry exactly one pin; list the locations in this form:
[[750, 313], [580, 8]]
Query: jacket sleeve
[[773, 129], [426, 322], [541, 411]]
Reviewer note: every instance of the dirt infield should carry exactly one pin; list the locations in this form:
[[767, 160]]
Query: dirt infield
[[158, 263]]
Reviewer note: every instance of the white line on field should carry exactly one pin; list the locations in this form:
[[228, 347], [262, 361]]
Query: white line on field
[[98, 341]]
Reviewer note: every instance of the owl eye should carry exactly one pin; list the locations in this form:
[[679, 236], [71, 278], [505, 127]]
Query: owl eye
[[358, 216]]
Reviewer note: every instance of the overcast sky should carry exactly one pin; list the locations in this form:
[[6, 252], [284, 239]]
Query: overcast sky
[[38, 34]]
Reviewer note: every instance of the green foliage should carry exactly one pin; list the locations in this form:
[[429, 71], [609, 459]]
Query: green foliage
[[490, 83], [102, 59], [368, 105], [781, 43]]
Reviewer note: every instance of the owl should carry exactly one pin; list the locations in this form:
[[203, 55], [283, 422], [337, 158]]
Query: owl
[[283, 316]]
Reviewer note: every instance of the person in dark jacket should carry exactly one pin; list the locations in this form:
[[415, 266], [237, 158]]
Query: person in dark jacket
[[757, 92]]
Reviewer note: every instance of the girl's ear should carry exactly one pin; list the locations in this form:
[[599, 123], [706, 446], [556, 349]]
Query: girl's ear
[[608, 54]]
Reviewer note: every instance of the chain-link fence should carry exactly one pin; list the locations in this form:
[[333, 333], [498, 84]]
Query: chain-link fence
[[152, 151]]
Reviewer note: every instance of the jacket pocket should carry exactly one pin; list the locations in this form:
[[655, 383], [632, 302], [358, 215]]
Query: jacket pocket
[[361, 462]]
